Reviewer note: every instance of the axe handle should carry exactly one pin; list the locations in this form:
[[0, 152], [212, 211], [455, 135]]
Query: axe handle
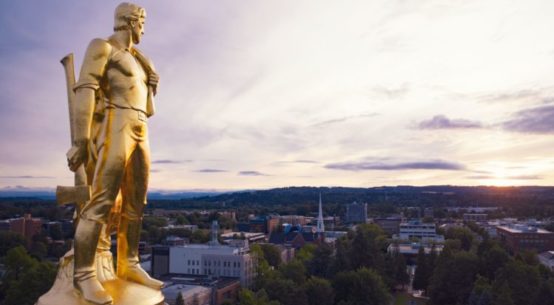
[[69, 69]]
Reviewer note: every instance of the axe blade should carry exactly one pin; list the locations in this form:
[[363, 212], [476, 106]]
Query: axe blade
[[72, 194]]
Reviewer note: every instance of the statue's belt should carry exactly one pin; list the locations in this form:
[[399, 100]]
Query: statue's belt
[[141, 114]]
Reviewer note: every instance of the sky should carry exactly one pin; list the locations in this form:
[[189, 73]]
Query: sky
[[262, 94]]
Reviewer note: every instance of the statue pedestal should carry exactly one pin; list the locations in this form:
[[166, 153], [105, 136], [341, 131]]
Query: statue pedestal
[[123, 292]]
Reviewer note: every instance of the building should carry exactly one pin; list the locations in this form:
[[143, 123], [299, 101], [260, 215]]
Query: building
[[410, 250], [212, 259], [26, 226], [520, 237], [173, 240], [251, 237], [191, 228], [475, 217], [547, 259], [294, 220], [472, 209], [391, 225], [192, 294], [260, 224], [295, 239], [356, 213], [428, 212], [416, 229], [201, 290]]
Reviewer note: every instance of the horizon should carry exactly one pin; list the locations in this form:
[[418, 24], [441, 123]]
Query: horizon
[[386, 93]]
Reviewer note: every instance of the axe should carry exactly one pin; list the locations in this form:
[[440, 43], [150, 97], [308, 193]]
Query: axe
[[80, 192]]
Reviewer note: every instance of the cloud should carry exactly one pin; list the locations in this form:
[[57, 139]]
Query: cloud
[[391, 93], [26, 177], [533, 120], [520, 177], [297, 161], [343, 119], [210, 170], [442, 122], [251, 173], [388, 166], [514, 95], [167, 161]]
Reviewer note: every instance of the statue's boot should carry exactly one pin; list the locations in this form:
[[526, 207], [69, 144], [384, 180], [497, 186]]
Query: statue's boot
[[84, 276], [128, 264]]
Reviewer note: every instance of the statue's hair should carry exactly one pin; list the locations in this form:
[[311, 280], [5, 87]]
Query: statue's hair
[[126, 12]]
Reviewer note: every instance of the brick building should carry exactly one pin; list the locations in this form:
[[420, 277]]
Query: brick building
[[520, 237]]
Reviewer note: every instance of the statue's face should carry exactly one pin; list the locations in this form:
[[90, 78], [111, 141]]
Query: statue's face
[[137, 30]]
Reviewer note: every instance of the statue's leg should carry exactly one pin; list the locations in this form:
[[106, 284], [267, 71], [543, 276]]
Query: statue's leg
[[106, 182], [134, 187]]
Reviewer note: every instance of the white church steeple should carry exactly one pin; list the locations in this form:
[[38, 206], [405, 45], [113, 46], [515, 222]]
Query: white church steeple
[[320, 225]]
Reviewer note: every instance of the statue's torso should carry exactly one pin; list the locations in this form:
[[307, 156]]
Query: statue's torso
[[126, 81]]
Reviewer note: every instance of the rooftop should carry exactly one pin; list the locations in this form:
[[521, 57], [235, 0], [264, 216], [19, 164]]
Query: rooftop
[[518, 228]]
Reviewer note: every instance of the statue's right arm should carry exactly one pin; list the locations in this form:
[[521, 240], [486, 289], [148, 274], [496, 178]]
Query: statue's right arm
[[92, 71]]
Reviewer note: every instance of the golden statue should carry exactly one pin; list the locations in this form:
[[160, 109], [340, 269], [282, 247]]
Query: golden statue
[[110, 155]]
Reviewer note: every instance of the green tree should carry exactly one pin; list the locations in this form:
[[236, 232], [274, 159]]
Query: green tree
[[421, 277], [272, 254], [522, 281], [306, 253], [181, 220], [545, 295], [319, 291], [481, 293], [200, 236], [503, 296], [492, 260], [179, 300], [247, 297], [10, 240], [464, 235], [294, 270], [366, 248], [322, 261], [341, 262], [453, 278], [361, 287], [286, 291], [26, 279], [401, 275]]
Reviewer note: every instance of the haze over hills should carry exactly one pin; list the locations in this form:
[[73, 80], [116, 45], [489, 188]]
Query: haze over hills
[[50, 193], [443, 195]]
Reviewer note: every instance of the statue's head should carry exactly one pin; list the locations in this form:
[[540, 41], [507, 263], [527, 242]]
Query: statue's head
[[130, 17]]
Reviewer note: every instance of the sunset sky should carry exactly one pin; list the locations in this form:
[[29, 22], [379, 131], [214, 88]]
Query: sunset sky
[[261, 94]]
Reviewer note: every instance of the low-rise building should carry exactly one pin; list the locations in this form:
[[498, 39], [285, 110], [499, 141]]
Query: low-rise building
[[520, 237], [294, 239], [260, 224], [475, 217], [201, 290], [205, 259], [547, 259], [251, 237], [391, 225], [410, 250], [416, 229]]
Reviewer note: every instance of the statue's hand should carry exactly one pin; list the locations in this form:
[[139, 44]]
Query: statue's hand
[[77, 155], [153, 80]]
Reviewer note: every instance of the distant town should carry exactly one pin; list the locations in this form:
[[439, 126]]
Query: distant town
[[314, 246]]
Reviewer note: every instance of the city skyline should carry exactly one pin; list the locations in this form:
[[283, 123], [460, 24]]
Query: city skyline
[[259, 95]]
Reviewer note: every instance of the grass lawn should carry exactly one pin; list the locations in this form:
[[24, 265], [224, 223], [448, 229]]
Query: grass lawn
[[403, 298]]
